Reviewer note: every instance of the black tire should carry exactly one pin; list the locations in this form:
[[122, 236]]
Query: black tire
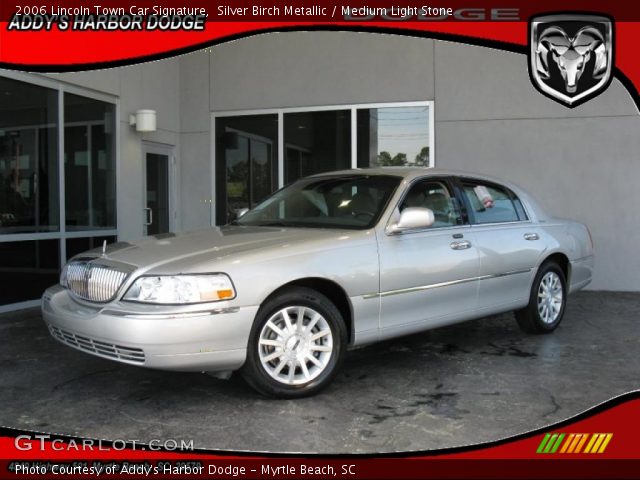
[[530, 318], [256, 373]]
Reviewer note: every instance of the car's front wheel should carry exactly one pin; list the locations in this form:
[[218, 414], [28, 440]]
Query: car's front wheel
[[547, 301], [297, 342]]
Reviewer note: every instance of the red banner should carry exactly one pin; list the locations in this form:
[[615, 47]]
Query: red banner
[[72, 35]]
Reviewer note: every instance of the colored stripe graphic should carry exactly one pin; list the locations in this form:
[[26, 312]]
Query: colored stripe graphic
[[592, 440], [550, 443], [557, 444], [581, 443], [605, 443], [568, 442], [543, 443], [574, 443]]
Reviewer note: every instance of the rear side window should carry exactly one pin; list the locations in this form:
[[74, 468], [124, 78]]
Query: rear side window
[[492, 204]]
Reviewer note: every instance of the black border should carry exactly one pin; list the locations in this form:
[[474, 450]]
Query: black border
[[457, 38]]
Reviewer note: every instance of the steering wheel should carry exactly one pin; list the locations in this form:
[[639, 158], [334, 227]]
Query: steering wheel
[[367, 215]]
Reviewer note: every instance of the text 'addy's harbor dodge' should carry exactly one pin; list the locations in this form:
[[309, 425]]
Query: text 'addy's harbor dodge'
[[330, 262]]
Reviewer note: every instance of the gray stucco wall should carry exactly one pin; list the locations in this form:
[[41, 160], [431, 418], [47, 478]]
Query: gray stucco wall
[[320, 68], [581, 163]]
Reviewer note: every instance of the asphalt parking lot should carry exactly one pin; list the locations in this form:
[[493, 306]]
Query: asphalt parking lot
[[459, 385]]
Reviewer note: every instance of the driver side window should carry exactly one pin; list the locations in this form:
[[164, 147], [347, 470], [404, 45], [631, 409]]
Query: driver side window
[[437, 197]]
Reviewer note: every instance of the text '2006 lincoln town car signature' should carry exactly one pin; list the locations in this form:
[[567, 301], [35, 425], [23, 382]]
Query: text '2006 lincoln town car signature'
[[330, 262]]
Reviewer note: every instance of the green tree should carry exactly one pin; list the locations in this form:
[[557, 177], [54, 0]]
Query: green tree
[[400, 160], [385, 159], [422, 158]]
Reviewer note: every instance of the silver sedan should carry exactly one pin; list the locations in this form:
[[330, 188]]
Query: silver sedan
[[330, 262]]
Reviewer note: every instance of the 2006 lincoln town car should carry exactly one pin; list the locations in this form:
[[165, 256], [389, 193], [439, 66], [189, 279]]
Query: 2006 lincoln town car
[[331, 261]]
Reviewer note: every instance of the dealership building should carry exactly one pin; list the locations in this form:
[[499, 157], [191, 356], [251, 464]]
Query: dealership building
[[238, 120]]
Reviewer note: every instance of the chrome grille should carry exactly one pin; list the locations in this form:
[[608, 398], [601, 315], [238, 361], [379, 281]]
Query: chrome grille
[[103, 349], [93, 281]]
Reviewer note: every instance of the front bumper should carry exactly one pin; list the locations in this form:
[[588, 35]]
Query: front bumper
[[214, 339]]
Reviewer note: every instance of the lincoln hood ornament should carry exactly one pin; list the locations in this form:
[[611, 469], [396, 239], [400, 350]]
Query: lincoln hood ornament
[[571, 56]]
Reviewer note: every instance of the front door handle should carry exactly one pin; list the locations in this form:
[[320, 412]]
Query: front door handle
[[461, 245], [531, 236]]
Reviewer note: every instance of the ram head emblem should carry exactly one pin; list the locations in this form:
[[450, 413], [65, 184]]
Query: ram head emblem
[[580, 46], [571, 54]]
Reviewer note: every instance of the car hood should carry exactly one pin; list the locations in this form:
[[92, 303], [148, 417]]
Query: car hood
[[214, 244]]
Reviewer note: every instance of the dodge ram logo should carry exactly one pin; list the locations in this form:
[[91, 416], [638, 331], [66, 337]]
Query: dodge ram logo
[[570, 56]]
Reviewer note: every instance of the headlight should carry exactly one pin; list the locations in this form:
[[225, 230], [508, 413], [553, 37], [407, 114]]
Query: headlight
[[177, 289]]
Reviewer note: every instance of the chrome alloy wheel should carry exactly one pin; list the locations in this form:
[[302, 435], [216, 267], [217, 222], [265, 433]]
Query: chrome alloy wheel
[[550, 297], [295, 345]]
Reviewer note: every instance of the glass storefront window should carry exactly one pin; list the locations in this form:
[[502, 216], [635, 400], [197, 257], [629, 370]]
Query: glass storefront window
[[313, 141], [316, 142], [32, 240], [394, 136], [89, 163], [28, 158], [247, 166]]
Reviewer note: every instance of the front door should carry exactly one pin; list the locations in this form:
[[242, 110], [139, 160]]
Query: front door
[[158, 161], [428, 276]]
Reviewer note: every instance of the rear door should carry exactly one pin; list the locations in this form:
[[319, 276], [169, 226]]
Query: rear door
[[509, 244], [428, 275]]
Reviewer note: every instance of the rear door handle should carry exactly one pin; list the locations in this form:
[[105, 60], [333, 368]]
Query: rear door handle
[[531, 236], [461, 245]]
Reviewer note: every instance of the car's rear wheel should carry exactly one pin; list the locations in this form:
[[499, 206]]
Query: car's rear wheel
[[546, 302], [296, 344]]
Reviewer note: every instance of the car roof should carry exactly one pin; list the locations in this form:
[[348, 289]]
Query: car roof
[[409, 173]]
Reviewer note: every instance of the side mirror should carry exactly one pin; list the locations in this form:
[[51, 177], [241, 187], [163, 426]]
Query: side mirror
[[412, 218], [241, 212]]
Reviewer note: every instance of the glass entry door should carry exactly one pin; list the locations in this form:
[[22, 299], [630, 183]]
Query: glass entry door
[[158, 179]]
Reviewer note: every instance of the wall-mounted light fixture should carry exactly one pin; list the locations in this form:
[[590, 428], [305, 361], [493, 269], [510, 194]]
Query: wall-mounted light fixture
[[144, 120]]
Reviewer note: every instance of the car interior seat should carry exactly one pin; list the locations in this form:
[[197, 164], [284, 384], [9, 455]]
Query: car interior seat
[[415, 198], [439, 204]]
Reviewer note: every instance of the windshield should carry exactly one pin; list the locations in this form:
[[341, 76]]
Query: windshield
[[347, 201]]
